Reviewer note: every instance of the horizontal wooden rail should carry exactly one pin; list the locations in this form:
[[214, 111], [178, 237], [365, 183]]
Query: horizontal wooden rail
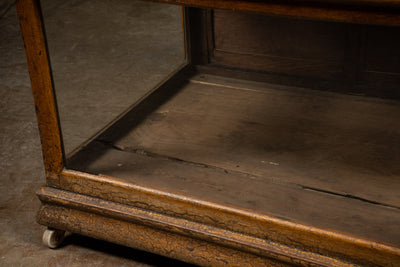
[[385, 12]]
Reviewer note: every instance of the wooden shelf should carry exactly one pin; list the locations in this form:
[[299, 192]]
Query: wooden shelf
[[324, 159]]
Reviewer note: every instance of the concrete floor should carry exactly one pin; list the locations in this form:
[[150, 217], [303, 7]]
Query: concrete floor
[[21, 168]]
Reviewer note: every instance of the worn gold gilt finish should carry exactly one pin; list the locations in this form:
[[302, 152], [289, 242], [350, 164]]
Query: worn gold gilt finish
[[175, 225]]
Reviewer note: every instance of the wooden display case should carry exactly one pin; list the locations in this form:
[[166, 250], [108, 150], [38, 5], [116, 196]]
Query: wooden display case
[[239, 158]]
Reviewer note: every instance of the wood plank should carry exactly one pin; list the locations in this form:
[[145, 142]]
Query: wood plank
[[279, 65], [318, 140], [198, 26], [275, 36], [362, 58], [288, 201]]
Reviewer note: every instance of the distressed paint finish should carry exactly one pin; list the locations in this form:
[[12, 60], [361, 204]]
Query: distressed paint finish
[[42, 85]]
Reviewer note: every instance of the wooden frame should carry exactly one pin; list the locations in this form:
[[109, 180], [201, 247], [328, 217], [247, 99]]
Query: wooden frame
[[355, 11], [178, 226]]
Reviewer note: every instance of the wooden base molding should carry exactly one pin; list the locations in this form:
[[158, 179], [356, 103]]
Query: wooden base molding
[[196, 231]]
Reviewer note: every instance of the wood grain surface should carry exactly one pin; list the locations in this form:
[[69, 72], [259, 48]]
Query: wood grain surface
[[259, 250], [42, 84], [291, 47], [343, 144], [364, 12], [297, 154], [341, 57], [203, 216]]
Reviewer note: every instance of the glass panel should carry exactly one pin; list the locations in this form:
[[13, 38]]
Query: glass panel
[[105, 56]]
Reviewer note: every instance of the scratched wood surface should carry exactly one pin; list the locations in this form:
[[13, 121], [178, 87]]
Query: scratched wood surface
[[322, 158]]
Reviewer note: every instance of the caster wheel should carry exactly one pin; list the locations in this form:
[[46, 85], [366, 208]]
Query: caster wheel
[[53, 238]]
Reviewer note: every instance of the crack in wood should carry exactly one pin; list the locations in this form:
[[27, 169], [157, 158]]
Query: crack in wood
[[349, 196], [143, 152]]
